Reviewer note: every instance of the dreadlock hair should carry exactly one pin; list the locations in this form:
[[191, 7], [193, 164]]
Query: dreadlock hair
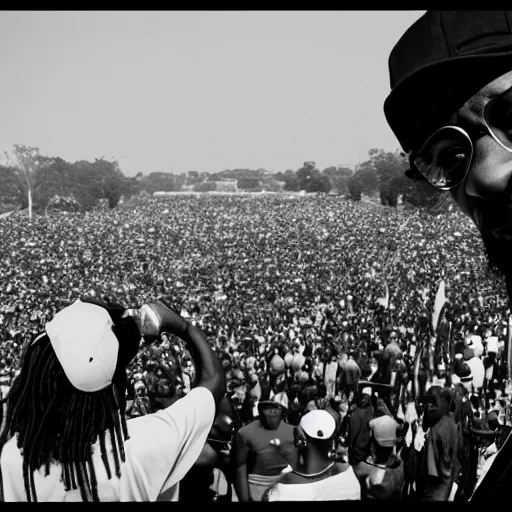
[[55, 422]]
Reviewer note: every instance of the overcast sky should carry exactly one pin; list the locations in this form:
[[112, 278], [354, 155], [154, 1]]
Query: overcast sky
[[206, 91]]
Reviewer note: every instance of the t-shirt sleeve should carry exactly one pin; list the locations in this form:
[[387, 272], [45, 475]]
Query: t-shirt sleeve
[[164, 446]]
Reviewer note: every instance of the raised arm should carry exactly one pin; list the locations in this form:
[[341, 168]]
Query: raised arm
[[157, 317]]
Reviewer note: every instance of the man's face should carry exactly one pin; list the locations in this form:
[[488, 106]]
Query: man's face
[[271, 416], [486, 193], [365, 400]]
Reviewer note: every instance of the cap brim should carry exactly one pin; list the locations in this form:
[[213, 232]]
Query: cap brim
[[269, 403], [426, 99]]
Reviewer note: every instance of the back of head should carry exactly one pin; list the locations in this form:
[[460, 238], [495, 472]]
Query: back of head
[[56, 421], [319, 428], [384, 431]]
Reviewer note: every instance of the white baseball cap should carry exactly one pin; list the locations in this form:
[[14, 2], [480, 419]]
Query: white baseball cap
[[85, 345], [384, 431], [318, 424]]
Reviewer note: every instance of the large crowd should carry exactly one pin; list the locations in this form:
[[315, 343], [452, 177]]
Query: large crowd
[[302, 297]]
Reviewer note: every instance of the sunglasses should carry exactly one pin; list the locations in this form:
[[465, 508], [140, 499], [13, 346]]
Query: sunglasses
[[445, 158]]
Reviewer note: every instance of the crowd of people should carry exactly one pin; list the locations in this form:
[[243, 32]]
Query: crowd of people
[[312, 303]]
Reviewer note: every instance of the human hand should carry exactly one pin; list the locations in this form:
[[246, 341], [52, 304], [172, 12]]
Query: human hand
[[150, 319]]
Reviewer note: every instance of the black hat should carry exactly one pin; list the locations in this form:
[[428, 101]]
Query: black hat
[[440, 62], [481, 428]]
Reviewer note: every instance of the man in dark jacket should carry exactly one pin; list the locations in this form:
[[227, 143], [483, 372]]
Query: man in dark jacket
[[359, 428]]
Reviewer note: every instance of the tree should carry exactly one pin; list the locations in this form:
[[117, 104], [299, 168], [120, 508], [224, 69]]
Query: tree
[[390, 169], [338, 177], [55, 179], [291, 183], [159, 182], [310, 178], [247, 183], [112, 181], [337, 172], [101, 179], [205, 186], [389, 166], [12, 193], [270, 184], [363, 181], [26, 160], [131, 187], [319, 183]]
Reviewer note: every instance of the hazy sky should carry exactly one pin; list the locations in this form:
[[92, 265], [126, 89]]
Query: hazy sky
[[205, 91]]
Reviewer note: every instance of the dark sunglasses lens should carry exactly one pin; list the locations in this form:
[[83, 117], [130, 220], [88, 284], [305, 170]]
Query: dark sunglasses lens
[[445, 158], [498, 116]]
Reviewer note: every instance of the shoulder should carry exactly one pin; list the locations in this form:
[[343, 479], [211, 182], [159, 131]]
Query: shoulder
[[444, 425], [249, 428], [287, 478], [343, 467], [164, 445], [248, 432], [191, 414], [286, 428], [362, 468]]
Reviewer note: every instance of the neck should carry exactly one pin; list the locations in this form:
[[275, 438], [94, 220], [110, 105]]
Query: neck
[[315, 463]]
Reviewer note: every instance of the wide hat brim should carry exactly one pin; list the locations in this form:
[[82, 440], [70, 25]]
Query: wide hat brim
[[268, 404], [427, 98]]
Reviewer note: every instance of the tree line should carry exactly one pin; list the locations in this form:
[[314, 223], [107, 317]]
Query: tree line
[[31, 180]]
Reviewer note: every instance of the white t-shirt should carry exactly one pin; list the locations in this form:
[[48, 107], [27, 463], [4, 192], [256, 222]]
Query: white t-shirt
[[162, 448], [340, 487]]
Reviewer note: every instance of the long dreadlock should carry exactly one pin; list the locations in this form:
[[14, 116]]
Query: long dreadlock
[[55, 422]]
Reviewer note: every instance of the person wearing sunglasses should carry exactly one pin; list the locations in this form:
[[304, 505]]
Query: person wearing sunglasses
[[450, 107]]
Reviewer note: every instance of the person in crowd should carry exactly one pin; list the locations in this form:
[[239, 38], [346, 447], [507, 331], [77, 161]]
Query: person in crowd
[[319, 477], [66, 427], [211, 476], [381, 474], [263, 448], [359, 427], [270, 294], [441, 469], [350, 376]]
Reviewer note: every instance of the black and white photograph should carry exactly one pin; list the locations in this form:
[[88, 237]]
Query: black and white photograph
[[255, 255]]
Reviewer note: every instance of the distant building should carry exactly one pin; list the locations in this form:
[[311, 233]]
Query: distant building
[[227, 186]]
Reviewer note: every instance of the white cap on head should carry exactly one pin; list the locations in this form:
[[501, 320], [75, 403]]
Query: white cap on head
[[85, 345], [367, 391], [318, 424], [384, 431], [492, 344]]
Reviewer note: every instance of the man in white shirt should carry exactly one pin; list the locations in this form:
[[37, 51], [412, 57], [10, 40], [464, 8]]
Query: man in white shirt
[[66, 435], [320, 478]]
